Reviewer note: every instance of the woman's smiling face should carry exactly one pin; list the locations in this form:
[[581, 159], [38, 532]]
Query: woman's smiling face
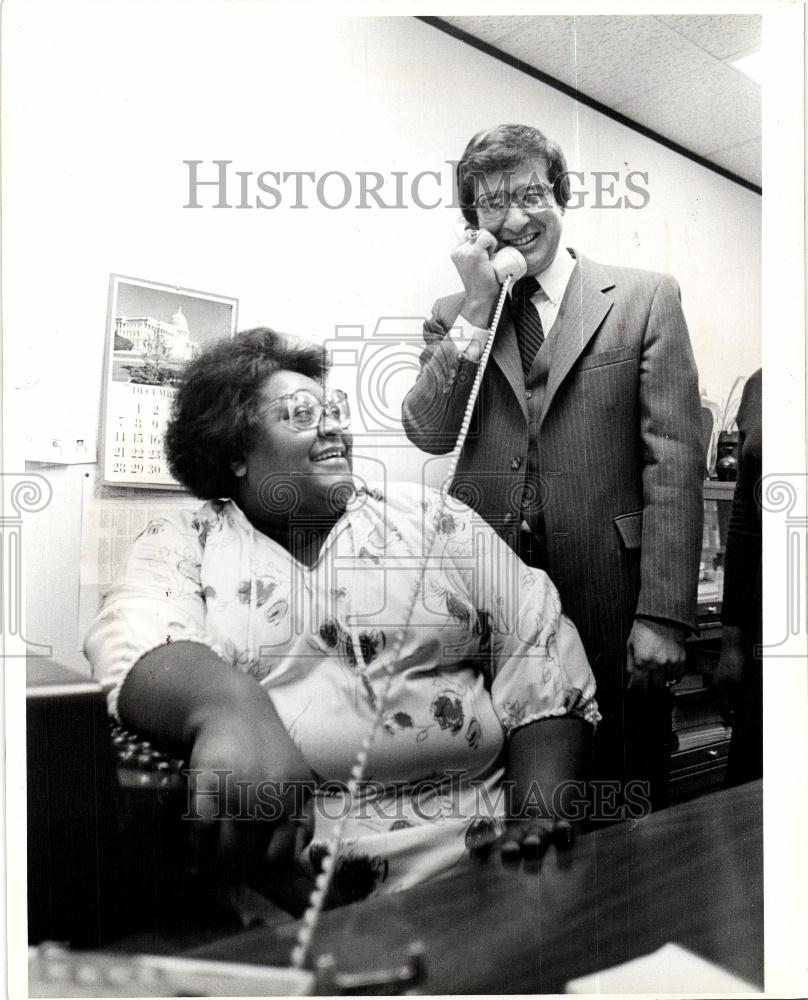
[[289, 471]]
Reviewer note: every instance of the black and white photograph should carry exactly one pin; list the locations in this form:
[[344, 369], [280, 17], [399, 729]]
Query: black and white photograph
[[404, 499]]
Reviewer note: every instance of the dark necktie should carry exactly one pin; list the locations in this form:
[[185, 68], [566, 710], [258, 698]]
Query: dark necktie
[[526, 319]]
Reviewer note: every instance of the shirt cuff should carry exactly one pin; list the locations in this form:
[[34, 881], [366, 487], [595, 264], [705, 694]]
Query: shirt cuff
[[463, 333]]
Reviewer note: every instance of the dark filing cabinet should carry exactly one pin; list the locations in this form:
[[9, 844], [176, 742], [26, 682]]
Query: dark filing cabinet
[[106, 844]]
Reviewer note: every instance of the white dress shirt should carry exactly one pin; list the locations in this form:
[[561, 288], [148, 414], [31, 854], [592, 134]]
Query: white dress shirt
[[553, 283]]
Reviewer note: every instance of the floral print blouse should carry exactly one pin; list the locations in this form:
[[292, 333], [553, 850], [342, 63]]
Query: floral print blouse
[[487, 649]]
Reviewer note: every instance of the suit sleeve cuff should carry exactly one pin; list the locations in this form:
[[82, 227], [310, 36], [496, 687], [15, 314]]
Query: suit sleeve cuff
[[685, 628]]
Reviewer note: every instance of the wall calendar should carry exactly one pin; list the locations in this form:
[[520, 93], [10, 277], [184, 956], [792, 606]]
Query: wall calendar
[[153, 330]]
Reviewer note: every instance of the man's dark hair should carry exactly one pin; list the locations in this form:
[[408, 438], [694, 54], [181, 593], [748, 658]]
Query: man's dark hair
[[215, 414], [505, 148]]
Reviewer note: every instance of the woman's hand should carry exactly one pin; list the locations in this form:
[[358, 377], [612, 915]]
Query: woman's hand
[[526, 840], [247, 802], [545, 758], [248, 782], [530, 839]]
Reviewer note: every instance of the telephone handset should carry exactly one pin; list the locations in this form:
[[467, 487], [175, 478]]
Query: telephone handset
[[509, 263]]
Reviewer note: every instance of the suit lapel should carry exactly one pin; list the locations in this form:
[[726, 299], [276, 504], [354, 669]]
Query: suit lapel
[[583, 309], [506, 354]]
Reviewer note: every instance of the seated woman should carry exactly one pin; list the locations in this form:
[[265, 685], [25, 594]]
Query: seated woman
[[256, 635]]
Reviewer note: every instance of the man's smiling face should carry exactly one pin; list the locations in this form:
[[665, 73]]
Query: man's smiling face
[[519, 208]]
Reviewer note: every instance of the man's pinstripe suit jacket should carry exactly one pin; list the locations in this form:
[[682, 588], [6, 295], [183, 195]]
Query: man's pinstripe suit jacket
[[600, 450]]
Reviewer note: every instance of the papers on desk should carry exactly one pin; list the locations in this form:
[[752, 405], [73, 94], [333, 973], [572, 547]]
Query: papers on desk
[[671, 969]]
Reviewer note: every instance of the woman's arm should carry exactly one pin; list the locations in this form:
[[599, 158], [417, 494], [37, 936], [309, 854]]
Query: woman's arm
[[242, 764], [542, 688], [545, 774], [547, 765], [151, 648], [183, 695]]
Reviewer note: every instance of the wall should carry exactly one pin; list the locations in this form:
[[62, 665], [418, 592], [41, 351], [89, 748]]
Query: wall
[[100, 112]]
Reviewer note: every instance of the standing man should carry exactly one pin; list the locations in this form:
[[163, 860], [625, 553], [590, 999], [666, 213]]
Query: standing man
[[585, 451]]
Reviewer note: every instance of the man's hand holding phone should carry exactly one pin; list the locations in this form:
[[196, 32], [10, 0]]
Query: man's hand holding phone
[[481, 271], [472, 258]]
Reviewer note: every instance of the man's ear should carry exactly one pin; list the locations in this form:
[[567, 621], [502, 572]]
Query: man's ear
[[239, 468]]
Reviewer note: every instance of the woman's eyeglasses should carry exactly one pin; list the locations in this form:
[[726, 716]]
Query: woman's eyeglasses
[[303, 410]]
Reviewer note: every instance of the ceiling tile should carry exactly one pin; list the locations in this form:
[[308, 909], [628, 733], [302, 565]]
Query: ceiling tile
[[714, 109], [545, 43], [743, 159], [663, 72], [721, 35], [604, 57], [618, 58], [493, 29]]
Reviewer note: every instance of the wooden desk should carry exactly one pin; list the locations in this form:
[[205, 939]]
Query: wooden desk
[[692, 874]]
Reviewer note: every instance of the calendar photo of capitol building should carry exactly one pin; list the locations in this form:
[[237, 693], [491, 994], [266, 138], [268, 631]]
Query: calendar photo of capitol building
[[150, 350]]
